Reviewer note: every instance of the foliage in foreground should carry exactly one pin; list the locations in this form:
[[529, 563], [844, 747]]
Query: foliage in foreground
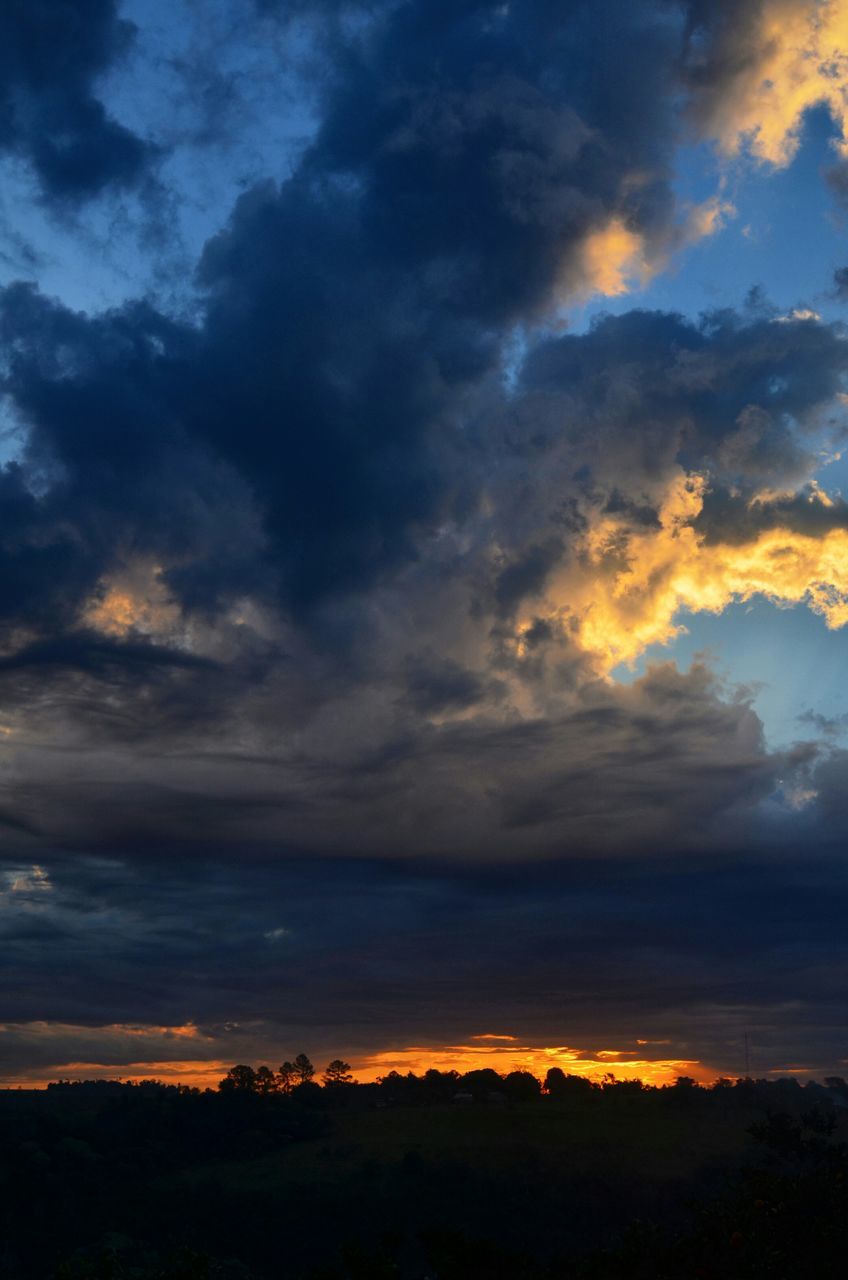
[[476, 1183]]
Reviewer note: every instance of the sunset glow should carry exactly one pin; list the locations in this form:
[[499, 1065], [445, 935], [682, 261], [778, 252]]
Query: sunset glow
[[538, 1060], [474, 1056]]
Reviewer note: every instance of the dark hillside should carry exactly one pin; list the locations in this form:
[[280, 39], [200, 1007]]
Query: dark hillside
[[413, 1178]]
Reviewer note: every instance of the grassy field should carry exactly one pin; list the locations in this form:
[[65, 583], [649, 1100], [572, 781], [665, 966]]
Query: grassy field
[[356, 1186], [541, 1180], [660, 1144]]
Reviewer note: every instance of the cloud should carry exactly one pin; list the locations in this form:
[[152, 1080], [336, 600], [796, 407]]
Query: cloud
[[755, 69], [274, 935], [309, 562], [633, 585], [442, 693], [50, 116], [596, 954], [611, 256], [536, 1059], [133, 601], [615, 260], [34, 880], [826, 726]]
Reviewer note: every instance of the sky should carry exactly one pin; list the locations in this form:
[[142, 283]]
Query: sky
[[423, 536]]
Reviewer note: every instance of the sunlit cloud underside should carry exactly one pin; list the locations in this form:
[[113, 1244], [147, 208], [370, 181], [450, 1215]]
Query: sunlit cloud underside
[[501, 1053]]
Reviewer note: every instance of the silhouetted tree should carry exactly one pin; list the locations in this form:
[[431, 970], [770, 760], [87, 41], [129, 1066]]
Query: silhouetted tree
[[266, 1081], [338, 1072], [304, 1069], [239, 1079], [560, 1085], [440, 1085], [837, 1085], [521, 1084], [309, 1093], [287, 1076], [554, 1080], [481, 1082]]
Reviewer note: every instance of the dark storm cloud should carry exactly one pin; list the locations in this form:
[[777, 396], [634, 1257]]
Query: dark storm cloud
[[526, 575], [830, 779], [51, 54], [667, 763], [299, 444], [314, 527], [435, 685], [673, 760], [489, 139], [722, 37], [107, 465], [330, 370], [451, 185], [725, 520], [370, 956], [93, 655], [734, 392]]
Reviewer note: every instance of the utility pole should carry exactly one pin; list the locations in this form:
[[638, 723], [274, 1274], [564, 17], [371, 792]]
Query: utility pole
[[747, 1059]]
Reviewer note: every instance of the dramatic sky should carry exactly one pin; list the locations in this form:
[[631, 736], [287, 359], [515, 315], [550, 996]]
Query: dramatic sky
[[423, 551]]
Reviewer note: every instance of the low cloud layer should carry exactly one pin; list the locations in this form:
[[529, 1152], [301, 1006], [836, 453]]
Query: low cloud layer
[[114, 966]]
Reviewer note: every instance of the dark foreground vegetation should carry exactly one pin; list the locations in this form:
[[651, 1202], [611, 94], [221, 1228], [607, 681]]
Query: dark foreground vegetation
[[478, 1177]]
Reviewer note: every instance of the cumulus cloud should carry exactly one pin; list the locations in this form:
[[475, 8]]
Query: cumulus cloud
[[50, 115], [614, 260], [756, 68], [633, 585], [440, 690]]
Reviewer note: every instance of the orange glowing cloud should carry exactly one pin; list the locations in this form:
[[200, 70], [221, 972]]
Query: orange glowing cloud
[[628, 587], [196, 1074], [133, 599], [614, 259], [510, 1055], [25, 881], [175, 1055], [116, 1051], [797, 58]]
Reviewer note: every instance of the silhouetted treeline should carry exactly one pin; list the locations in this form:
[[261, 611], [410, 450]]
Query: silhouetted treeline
[[441, 1175], [289, 1077], [487, 1085]]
